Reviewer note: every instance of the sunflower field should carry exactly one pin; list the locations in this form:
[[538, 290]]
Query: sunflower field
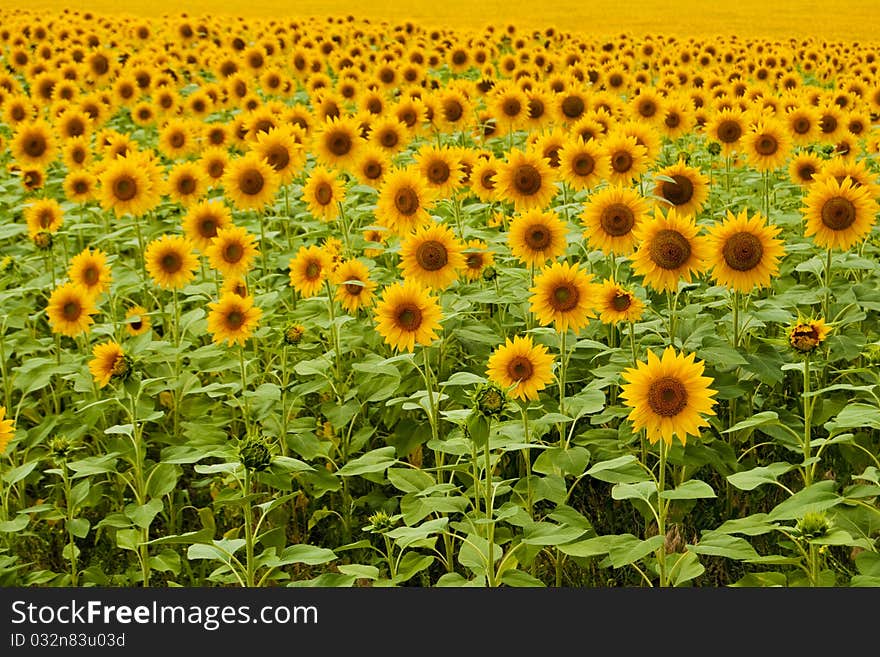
[[340, 302]]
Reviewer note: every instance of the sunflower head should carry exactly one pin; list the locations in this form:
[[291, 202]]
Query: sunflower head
[[408, 314], [564, 296], [521, 367], [744, 252], [618, 304], [669, 396], [806, 335], [490, 400], [109, 363], [233, 318], [670, 250], [294, 333]]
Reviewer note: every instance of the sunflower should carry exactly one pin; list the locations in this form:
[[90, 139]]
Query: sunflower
[[202, 221], [354, 288], [477, 258], [70, 310], [170, 261], [840, 168], [403, 201], [89, 270], [611, 217], [571, 104], [727, 127], [281, 148], [832, 123], [126, 188], [7, 430], [565, 296], [389, 135], [43, 216], [186, 183], [767, 145], [686, 190], [669, 249], [309, 269], [250, 182], [33, 144], [803, 168], [137, 320], [109, 362], [582, 164], [521, 367], [80, 186], [669, 396], [233, 319], [618, 304], [837, 214], [805, 335], [177, 138], [337, 143], [440, 169], [803, 124], [408, 314], [372, 166], [377, 237], [322, 192], [627, 158], [537, 236], [510, 106], [234, 285], [482, 178], [213, 162], [526, 179], [744, 251], [76, 153], [232, 250], [432, 256]]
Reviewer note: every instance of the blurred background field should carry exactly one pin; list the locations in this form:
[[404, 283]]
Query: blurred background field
[[828, 19]]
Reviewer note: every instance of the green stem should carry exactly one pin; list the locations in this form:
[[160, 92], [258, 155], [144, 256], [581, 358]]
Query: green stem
[[563, 361], [74, 569], [248, 529], [808, 420], [490, 525], [826, 301], [662, 507], [245, 410], [334, 333]]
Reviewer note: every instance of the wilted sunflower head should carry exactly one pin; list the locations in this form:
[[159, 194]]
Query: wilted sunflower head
[[806, 335]]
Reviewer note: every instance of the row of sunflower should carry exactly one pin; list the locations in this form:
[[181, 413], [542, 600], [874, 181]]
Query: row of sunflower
[[263, 253]]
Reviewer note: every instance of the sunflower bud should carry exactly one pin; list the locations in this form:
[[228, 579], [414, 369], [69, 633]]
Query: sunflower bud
[[60, 448], [255, 454], [43, 240], [813, 525], [293, 334], [489, 273], [122, 368], [380, 522], [490, 400], [871, 353], [714, 148], [6, 264]]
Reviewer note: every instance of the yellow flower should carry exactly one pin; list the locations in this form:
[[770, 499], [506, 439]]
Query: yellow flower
[[354, 288], [170, 261], [837, 214], [109, 362], [669, 250], [43, 216], [806, 335], [565, 296], [7, 430], [744, 252], [432, 256], [537, 236], [309, 269], [70, 310], [89, 269], [233, 319], [611, 217], [232, 251], [522, 367], [669, 396], [408, 314], [618, 304], [137, 320]]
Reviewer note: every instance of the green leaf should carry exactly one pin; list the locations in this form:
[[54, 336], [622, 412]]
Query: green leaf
[[643, 490], [855, 416], [560, 461], [764, 417], [629, 549], [378, 460], [751, 479], [545, 533], [359, 570], [143, 515], [761, 580], [79, 527], [307, 554], [16, 525], [591, 547], [410, 480], [162, 480], [17, 474], [815, 498], [623, 469], [724, 545], [518, 578], [692, 489], [217, 550], [684, 568]]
